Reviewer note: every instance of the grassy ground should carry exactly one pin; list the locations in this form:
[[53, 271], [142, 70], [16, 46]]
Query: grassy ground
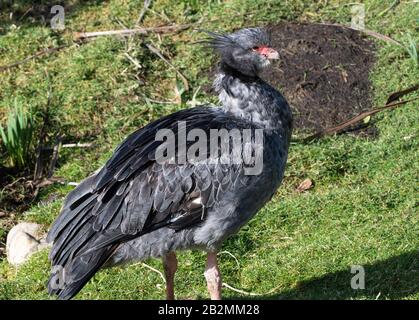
[[362, 210]]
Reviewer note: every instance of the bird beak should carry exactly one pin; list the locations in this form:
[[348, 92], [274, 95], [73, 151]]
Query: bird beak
[[272, 54]]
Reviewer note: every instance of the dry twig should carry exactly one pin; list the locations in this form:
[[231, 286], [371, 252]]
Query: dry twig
[[36, 55], [54, 157], [143, 11], [398, 94], [366, 31], [126, 32], [160, 55], [354, 120], [77, 145], [42, 135], [250, 293]]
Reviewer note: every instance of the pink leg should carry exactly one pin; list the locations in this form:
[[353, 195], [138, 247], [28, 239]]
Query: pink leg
[[170, 267], [213, 276]]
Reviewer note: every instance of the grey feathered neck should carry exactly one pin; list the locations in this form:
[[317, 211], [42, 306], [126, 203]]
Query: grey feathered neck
[[253, 99]]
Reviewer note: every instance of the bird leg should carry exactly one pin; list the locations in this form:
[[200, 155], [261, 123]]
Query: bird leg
[[213, 276], [170, 267]]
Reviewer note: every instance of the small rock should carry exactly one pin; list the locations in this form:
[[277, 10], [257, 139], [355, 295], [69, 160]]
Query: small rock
[[23, 240]]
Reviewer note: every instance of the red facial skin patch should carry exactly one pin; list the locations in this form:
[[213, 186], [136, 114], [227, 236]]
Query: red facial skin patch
[[267, 52], [263, 50]]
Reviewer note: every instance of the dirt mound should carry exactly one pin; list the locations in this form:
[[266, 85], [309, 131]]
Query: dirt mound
[[323, 73]]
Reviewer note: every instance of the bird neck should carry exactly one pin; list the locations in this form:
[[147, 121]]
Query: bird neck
[[251, 98]]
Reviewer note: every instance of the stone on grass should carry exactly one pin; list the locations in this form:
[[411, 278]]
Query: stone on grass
[[23, 240]]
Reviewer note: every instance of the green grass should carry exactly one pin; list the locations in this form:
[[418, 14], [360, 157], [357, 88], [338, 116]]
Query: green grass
[[362, 210], [17, 136]]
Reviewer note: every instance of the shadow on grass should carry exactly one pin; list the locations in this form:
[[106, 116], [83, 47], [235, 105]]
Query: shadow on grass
[[393, 278]]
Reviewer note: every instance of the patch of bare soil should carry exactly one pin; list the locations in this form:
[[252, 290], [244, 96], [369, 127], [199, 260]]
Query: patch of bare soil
[[323, 72]]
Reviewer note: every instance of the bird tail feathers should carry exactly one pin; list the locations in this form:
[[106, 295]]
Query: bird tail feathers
[[67, 281]]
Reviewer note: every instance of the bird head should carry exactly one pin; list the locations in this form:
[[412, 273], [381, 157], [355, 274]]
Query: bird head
[[246, 50]]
